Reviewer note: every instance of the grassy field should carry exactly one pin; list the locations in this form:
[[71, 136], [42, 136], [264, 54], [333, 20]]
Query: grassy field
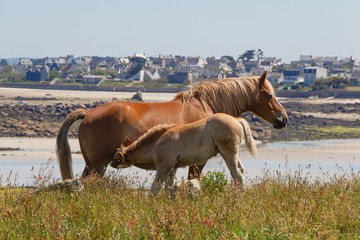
[[292, 206]]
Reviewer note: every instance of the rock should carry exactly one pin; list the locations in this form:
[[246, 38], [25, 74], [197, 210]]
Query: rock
[[191, 188], [137, 96]]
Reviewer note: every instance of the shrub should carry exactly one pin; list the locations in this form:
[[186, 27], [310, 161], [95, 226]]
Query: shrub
[[214, 180]]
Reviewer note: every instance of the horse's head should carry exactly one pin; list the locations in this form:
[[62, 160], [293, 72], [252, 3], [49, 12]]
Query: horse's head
[[267, 107]]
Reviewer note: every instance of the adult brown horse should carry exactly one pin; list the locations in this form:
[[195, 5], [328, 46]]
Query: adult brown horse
[[104, 128]]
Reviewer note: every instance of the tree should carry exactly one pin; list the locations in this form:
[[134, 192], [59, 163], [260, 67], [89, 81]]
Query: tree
[[339, 82], [259, 54], [250, 54], [135, 69], [323, 84], [247, 55], [53, 74], [230, 58], [104, 73], [279, 68], [138, 60]]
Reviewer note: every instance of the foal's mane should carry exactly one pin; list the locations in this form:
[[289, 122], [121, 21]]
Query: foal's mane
[[229, 95], [148, 138]]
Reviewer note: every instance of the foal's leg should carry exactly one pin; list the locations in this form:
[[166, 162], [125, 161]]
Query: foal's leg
[[170, 181], [162, 172], [235, 167]]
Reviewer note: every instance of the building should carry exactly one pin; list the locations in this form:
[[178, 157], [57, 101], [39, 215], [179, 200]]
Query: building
[[355, 77], [180, 76], [313, 73], [26, 62], [37, 73], [92, 79], [293, 76], [145, 76], [308, 59], [250, 65], [355, 61], [275, 78]]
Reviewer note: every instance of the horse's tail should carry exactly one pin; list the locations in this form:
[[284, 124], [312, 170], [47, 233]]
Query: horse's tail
[[62, 144], [249, 140]]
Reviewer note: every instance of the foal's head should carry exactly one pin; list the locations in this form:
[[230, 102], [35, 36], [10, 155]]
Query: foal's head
[[120, 158], [267, 107]]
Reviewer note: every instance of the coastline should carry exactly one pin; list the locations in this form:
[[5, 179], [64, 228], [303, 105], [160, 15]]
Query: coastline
[[72, 96], [43, 149]]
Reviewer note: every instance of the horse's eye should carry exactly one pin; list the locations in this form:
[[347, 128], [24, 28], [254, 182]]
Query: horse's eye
[[269, 96]]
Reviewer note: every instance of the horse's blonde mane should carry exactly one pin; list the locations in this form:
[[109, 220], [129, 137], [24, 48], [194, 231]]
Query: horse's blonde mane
[[230, 95], [151, 136]]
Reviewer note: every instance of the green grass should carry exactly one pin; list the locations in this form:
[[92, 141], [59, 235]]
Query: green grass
[[156, 84], [353, 88], [115, 83], [334, 132], [271, 207], [338, 130]]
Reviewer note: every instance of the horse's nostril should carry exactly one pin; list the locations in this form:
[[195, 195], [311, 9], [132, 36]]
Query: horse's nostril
[[280, 121]]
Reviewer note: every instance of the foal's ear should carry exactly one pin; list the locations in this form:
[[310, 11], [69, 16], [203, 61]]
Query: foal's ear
[[122, 154], [262, 78], [126, 142]]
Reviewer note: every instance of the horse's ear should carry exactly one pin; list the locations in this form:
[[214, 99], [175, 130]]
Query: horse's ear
[[262, 78], [126, 142]]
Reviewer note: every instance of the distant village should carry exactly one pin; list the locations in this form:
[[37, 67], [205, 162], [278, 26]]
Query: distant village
[[181, 69]]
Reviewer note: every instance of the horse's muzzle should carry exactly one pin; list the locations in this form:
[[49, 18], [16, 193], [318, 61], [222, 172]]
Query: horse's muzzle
[[280, 121]]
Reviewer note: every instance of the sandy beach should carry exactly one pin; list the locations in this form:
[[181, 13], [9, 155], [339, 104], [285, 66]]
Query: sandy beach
[[76, 96], [23, 166], [43, 149]]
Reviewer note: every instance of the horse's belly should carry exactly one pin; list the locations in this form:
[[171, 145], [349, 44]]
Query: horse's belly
[[196, 157]]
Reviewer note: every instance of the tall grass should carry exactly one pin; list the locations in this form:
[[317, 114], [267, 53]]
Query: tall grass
[[273, 206]]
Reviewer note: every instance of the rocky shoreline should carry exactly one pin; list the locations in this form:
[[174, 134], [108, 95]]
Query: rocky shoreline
[[44, 120]]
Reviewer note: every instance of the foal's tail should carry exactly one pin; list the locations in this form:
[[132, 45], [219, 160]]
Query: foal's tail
[[62, 144], [249, 140]]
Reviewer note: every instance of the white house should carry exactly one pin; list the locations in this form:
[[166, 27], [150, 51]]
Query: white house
[[313, 73], [306, 59], [92, 79], [145, 76], [356, 61], [26, 62], [293, 76], [274, 78]]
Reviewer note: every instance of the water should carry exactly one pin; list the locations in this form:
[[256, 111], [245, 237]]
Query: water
[[19, 167]]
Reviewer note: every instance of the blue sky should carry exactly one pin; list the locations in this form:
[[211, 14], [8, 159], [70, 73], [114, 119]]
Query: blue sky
[[281, 28]]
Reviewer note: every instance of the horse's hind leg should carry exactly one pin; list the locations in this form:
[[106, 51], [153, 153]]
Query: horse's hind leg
[[195, 171], [91, 168], [86, 171]]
